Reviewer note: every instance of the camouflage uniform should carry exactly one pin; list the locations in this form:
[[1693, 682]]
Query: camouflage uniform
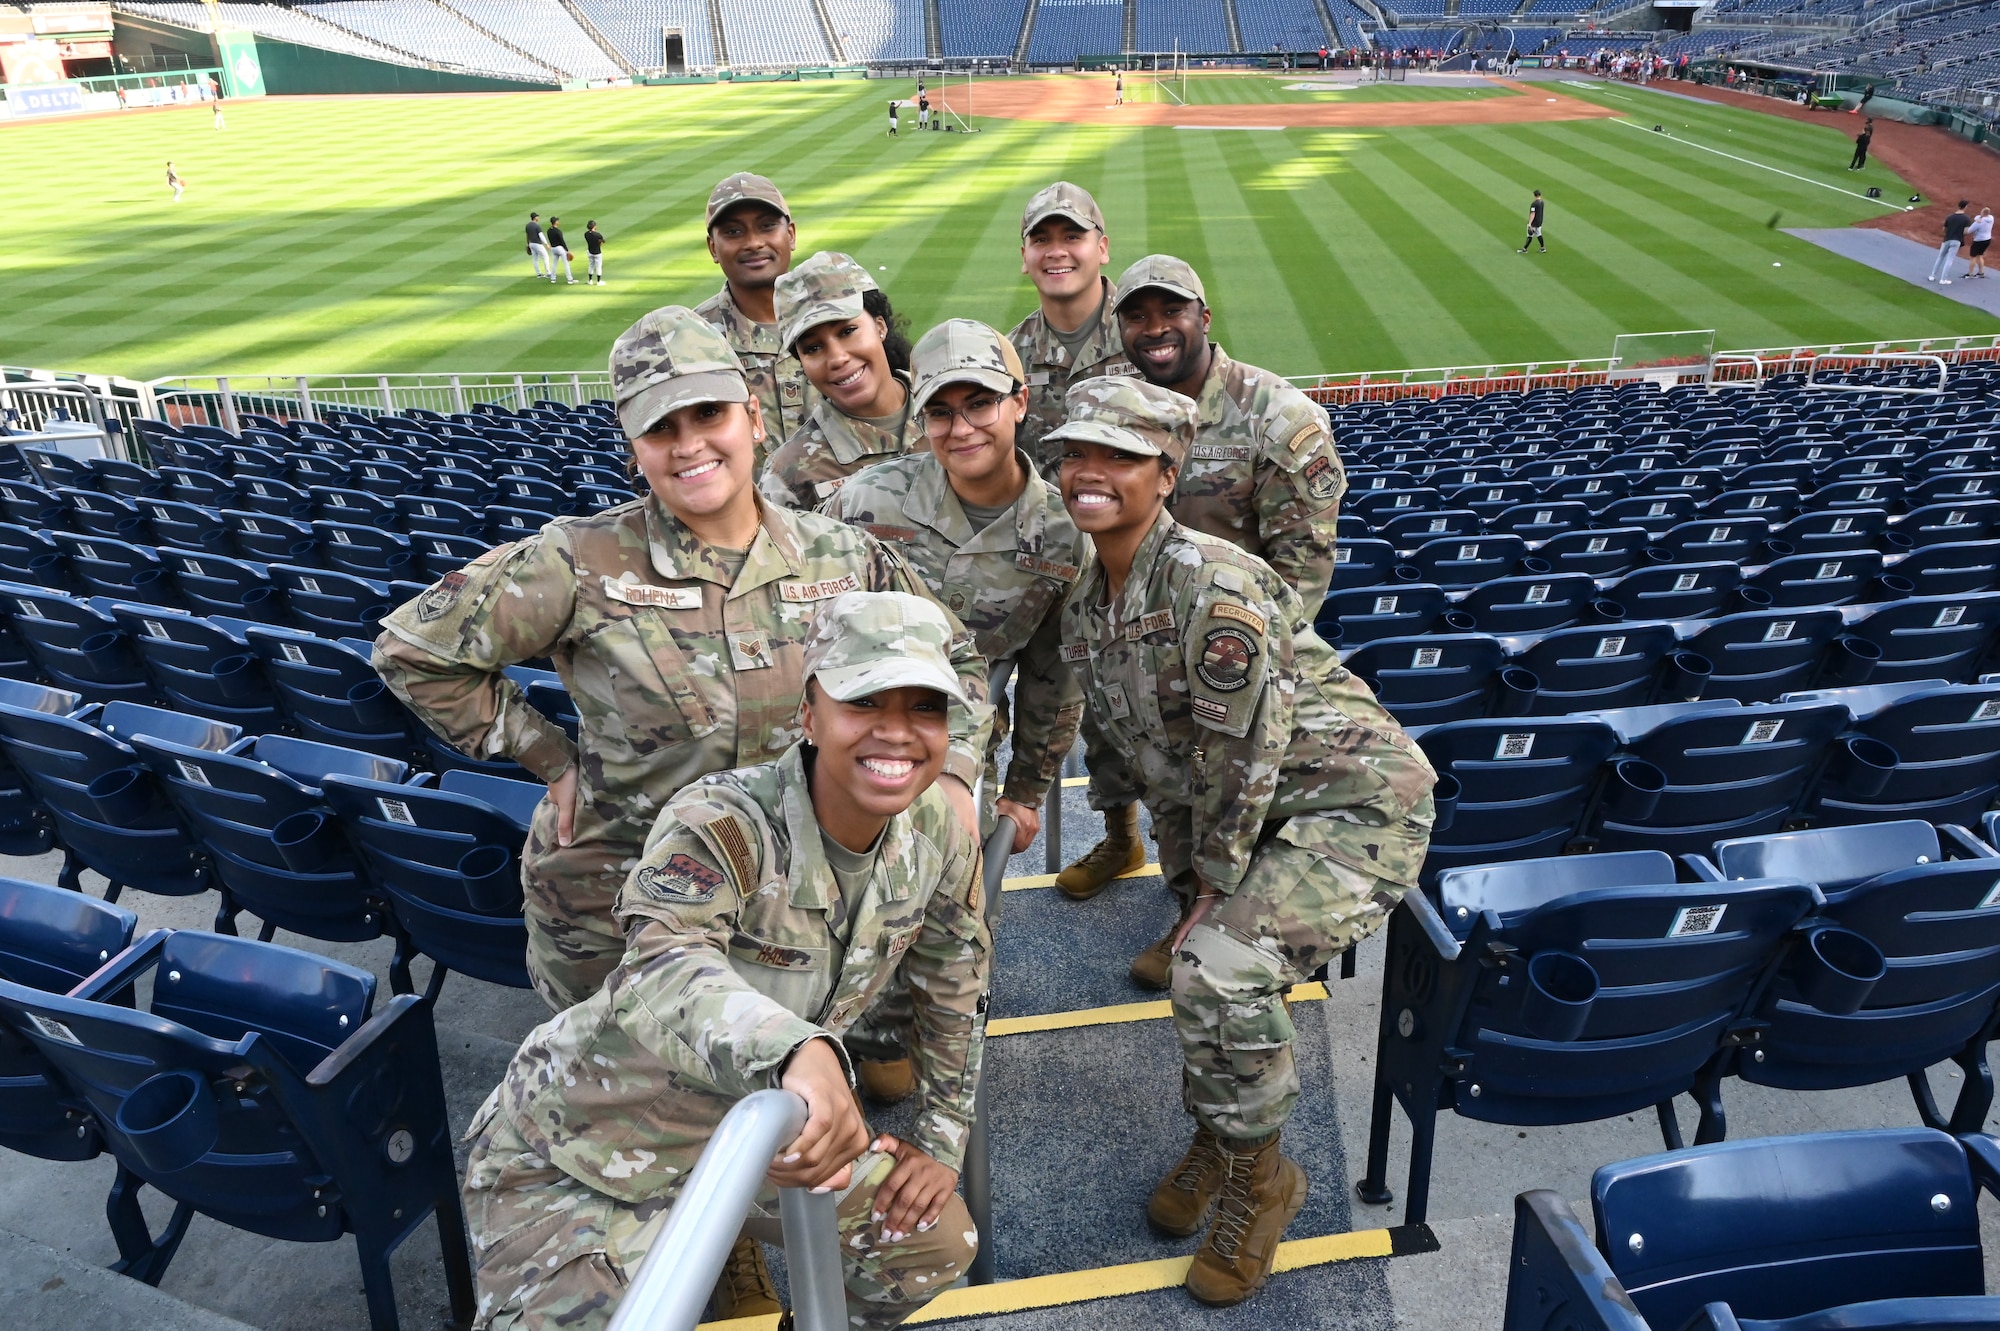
[[1051, 370], [675, 670], [1006, 583], [742, 949], [1272, 775], [1262, 474], [771, 370], [830, 446]]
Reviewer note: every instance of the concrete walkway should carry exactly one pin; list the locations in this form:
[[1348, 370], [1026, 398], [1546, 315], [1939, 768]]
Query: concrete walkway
[[1899, 256]]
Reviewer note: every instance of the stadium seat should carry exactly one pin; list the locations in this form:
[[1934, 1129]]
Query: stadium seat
[[50, 940], [190, 527], [31, 506], [1930, 637], [1619, 989], [1928, 992], [1463, 561], [274, 498], [1353, 618], [193, 485], [365, 552], [115, 476], [418, 515], [1530, 603], [1759, 654], [335, 504], [331, 604], [331, 694], [1728, 772], [295, 1043], [1872, 1229], [77, 647], [1734, 540], [450, 865], [1838, 578], [108, 815], [1965, 520], [266, 539], [1946, 742], [1441, 677], [1365, 562], [1524, 786], [217, 585], [198, 667], [93, 514], [1603, 553], [108, 567], [1618, 665], [1951, 567], [1540, 521], [31, 557], [269, 837], [1830, 530]]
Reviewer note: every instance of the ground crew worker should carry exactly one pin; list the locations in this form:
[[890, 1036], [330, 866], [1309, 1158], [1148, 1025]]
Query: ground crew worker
[[991, 540], [1262, 474], [751, 237], [851, 343], [1072, 336], [676, 623], [772, 904], [1291, 812]]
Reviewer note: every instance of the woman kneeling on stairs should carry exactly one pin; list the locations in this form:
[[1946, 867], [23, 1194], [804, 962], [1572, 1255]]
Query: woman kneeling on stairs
[[1291, 812]]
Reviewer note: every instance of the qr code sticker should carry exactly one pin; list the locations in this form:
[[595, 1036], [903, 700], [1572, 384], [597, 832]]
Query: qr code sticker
[[1693, 921], [1759, 501], [191, 568], [1610, 646], [88, 552], [1385, 605], [1842, 526], [293, 652], [1515, 746], [155, 629], [1537, 594], [1987, 711], [1598, 545], [1427, 658], [1657, 509], [341, 538], [1495, 496], [1955, 518], [1761, 732], [1439, 524], [1781, 631], [250, 525], [192, 773], [1468, 552], [1593, 487], [52, 1029], [396, 811], [1344, 555], [309, 585], [1686, 582], [430, 510], [1992, 897], [1949, 617], [1543, 515], [1830, 569], [1868, 491], [29, 608]]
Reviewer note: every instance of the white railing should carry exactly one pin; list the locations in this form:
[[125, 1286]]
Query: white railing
[[221, 400]]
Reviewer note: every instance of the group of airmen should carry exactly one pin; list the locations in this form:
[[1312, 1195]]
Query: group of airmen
[[758, 864]]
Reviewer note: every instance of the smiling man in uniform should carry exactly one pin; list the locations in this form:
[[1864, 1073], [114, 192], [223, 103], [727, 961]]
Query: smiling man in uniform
[[751, 238]]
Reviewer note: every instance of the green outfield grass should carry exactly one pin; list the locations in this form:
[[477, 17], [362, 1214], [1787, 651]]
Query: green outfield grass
[[1260, 89], [384, 234]]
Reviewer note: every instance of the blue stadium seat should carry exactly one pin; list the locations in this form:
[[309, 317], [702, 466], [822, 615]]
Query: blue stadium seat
[[93, 514], [1708, 540], [450, 865], [365, 552], [1872, 1229], [1839, 578], [1603, 553], [273, 497], [1829, 530], [266, 539], [1462, 561], [335, 504], [1616, 665], [1440, 677], [1524, 786], [1531, 603], [115, 476], [515, 524], [1945, 739], [437, 555], [1562, 991], [218, 585], [1930, 637], [108, 815], [331, 694], [1407, 531], [268, 834], [77, 647], [328, 1100], [1951, 567], [1759, 654], [32, 506], [31, 557], [1538, 521], [380, 478], [1729, 772], [1366, 562], [420, 514], [193, 485], [1935, 969], [51, 940], [331, 604], [1964, 520], [108, 567], [1352, 618], [202, 531], [199, 667]]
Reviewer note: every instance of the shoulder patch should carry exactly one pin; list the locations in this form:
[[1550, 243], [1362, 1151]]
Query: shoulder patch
[[1227, 659], [727, 835], [1322, 478], [436, 603], [494, 555], [1228, 610], [681, 878], [1304, 435]]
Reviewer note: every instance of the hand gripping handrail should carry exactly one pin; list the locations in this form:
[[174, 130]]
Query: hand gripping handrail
[[673, 1283]]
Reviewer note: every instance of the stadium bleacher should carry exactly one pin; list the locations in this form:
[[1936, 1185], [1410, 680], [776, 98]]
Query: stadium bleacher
[[1196, 25], [278, 21], [973, 29], [879, 30], [635, 28], [428, 27], [1292, 24], [545, 31], [772, 33], [1066, 29]]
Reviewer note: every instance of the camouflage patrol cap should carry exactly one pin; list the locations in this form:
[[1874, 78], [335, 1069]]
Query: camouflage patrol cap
[[826, 287], [744, 188], [1129, 415], [863, 643], [1062, 199], [670, 359], [1165, 272], [964, 351]]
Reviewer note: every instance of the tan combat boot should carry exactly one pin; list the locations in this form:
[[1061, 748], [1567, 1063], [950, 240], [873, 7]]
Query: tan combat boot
[[744, 1288], [1261, 1191], [1182, 1203], [1121, 851], [1154, 968], [888, 1081]]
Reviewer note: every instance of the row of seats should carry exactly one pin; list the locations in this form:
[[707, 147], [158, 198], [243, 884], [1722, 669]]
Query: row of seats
[[1574, 989], [327, 842]]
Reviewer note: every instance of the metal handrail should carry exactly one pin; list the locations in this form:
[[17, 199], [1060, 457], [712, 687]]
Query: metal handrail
[[1901, 357], [977, 1174], [671, 1287]]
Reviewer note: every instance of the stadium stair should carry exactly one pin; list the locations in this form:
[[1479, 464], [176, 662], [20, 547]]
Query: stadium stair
[[480, 28], [1027, 33], [1235, 27], [596, 35]]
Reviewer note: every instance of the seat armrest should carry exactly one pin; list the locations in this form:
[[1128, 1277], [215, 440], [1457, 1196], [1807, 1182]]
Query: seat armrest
[[1555, 1265], [1714, 1317], [1703, 869], [236, 749], [106, 983], [1427, 918], [357, 1047], [1982, 1154], [1960, 843]]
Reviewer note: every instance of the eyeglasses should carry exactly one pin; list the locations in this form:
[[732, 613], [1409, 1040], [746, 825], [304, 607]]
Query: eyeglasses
[[977, 414]]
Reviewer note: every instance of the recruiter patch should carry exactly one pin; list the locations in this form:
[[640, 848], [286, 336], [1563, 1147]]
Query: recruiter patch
[[1226, 658], [436, 603], [681, 878]]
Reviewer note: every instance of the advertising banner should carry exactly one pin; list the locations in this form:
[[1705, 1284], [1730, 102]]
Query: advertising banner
[[31, 62], [54, 100], [242, 74], [74, 20]]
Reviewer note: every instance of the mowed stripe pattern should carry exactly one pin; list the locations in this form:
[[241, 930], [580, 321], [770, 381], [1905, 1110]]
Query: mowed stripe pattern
[[385, 234]]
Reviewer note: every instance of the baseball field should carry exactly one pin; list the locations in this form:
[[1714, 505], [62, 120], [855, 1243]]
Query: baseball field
[[1359, 229]]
